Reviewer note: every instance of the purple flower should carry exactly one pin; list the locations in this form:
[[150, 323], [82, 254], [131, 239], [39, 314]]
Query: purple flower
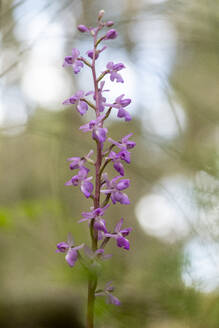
[[111, 34], [98, 132], [116, 162], [82, 28], [82, 180], [114, 188], [90, 53], [120, 234], [120, 103], [99, 222], [124, 144], [98, 254], [109, 23], [110, 299], [81, 105], [101, 99], [73, 61], [78, 162], [71, 252], [113, 69]]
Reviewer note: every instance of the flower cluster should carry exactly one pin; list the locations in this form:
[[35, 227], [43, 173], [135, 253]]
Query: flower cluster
[[101, 189]]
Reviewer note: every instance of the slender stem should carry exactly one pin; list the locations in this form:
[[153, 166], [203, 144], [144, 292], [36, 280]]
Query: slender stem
[[92, 282], [89, 103], [101, 39], [85, 61], [107, 113], [106, 201], [105, 241], [102, 75], [104, 165]]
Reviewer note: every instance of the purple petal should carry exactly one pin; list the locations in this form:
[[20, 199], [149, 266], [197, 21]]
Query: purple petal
[[123, 242], [111, 34], [125, 102], [100, 234], [77, 65], [75, 180], [83, 220], [110, 235], [70, 239], [82, 107], [71, 159], [131, 144], [62, 247], [118, 196], [98, 212], [82, 173], [88, 215], [100, 225], [88, 252], [124, 200], [125, 232], [99, 134], [87, 188], [71, 257], [106, 256], [118, 67], [82, 28], [119, 167], [108, 286], [123, 184], [75, 162], [126, 138], [79, 94], [68, 60], [75, 53], [69, 183], [114, 142], [125, 156], [113, 300], [119, 225], [110, 65], [90, 54], [78, 247], [115, 76], [99, 251], [109, 23], [85, 127], [123, 113]]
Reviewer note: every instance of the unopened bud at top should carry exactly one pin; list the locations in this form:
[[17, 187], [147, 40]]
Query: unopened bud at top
[[100, 15], [82, 28], [109, 23], [111, 34]]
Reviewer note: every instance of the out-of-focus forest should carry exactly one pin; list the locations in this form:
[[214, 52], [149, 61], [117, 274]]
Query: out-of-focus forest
[[170, 276]]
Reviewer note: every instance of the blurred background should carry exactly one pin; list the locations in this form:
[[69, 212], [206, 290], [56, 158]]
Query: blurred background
[[170, 277]]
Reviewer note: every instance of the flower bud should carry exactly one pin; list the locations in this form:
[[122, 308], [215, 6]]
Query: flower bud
[[109, 23], [111, 34], [90, 54], [82, 28], [100, 15]]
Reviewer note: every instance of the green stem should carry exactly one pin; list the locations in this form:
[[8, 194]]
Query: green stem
[[89, 103], [92, 284]]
